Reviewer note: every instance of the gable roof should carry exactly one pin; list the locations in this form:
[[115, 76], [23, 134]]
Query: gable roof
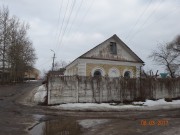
[[120, 42]]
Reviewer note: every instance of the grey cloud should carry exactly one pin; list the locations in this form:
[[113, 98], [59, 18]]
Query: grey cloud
[[105, 18]]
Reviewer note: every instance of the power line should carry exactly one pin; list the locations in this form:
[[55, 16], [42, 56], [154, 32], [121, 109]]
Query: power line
[[164, 16], [137, 21], [75, 16], [44, 63], [72, 7], [83, 18], [160, 19], [58, 22], [153, 12], [62, 22]]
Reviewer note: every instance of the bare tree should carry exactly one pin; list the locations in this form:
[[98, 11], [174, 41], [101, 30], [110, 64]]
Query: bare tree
[[59, 65], [174, 47], [21, 54], [166, 55], [175, 44], [4, 39], [16, 52]]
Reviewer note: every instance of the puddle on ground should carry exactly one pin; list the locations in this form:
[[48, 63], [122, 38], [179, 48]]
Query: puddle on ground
[[65, 126], [38, 129], [89, 123], [62, 126], [38, 116]]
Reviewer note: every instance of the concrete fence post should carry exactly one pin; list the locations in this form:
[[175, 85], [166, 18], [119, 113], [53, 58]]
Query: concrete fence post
[[77, 90], [48, 90]]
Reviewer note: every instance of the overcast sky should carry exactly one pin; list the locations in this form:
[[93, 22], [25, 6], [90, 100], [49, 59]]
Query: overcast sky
[[72, 27]]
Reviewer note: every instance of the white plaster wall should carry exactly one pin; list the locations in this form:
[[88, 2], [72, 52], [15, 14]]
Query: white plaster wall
[[138, 68], [81, 69], [119, 63], [113, 72], [71, 72], [111, 62]]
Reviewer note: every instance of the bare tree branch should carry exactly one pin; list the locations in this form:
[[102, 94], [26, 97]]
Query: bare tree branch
[[168, 55]]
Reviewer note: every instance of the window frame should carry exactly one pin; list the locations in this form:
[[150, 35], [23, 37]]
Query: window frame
[[113, 48]]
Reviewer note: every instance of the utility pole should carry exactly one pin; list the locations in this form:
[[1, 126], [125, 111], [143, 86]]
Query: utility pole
[[53, 61]]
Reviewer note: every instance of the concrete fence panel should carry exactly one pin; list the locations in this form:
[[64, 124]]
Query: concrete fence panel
[[80, 89]]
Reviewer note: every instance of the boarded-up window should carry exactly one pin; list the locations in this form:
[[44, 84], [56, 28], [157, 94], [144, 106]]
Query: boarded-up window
[[113, 48]]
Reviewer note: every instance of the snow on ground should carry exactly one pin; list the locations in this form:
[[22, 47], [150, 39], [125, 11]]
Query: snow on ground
[[40, 94], [148, 105], [88, 123], [158, 102], [32, 80], [93, 107]]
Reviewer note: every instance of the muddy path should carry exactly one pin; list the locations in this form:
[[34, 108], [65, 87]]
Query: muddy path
[[19, 116], [15, 118]]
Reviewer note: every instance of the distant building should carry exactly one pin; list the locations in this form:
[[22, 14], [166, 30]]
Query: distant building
[[111, 58], [32, 74]]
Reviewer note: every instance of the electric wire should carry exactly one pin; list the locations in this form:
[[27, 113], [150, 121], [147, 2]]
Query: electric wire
[[138, 19], [62, 36], [75, 17], [59, 35], [58, 22], [160, 19], [83, 18], [47, 61], [150, 15]]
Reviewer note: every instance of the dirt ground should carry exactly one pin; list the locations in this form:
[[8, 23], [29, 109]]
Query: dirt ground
[[20, 116]]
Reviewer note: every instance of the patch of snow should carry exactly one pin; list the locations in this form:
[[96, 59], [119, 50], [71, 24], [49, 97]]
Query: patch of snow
[[93, 107], [40, 94], [148, 105], [38, 129], [88, 123], [32, 80], [157, 102], [138, 103], [38, 116]]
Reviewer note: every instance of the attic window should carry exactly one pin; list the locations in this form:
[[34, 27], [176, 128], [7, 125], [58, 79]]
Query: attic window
[[113, 48]]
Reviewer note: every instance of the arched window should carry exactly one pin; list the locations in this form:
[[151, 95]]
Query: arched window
[[114, 72], [97, 73], [127, 74]]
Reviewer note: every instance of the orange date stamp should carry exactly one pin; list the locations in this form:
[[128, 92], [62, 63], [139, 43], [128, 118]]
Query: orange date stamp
[[161, 122]]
